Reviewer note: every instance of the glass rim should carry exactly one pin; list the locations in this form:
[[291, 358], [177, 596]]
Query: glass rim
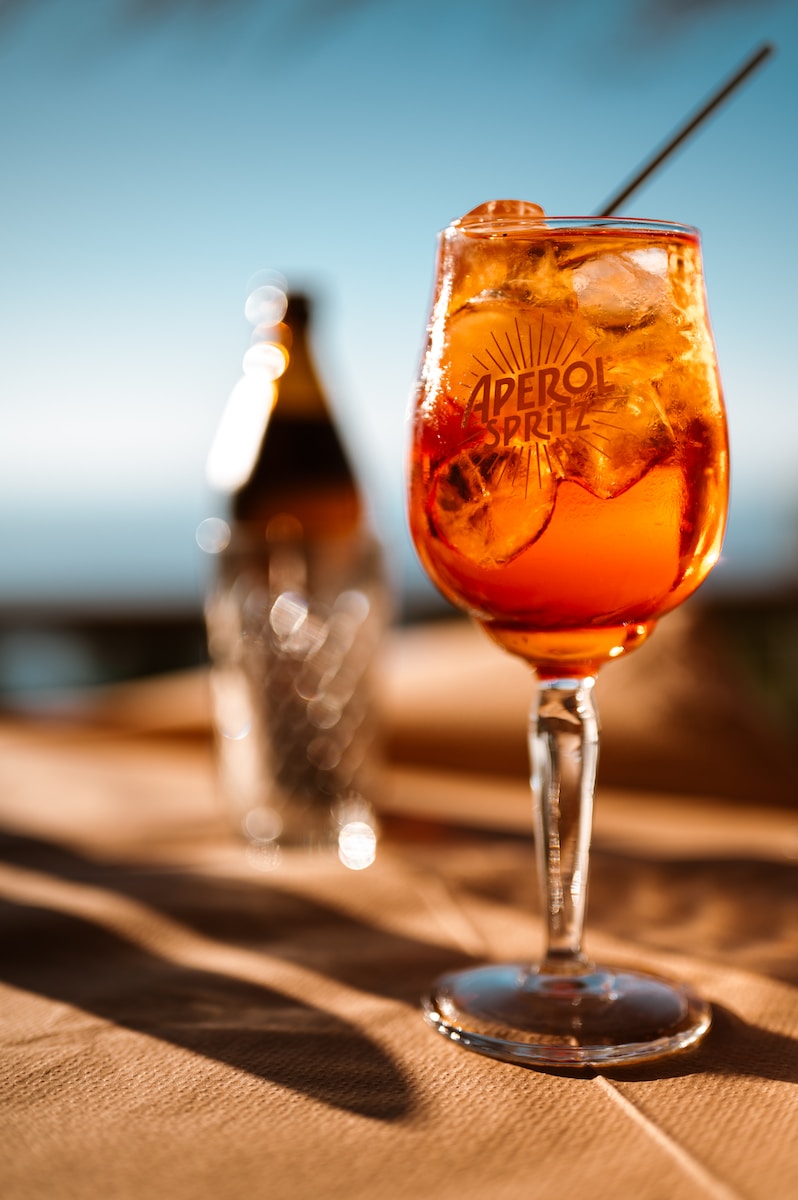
[[502, 225]]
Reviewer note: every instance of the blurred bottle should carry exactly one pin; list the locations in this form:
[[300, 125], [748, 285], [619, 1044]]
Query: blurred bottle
[[297, 606]]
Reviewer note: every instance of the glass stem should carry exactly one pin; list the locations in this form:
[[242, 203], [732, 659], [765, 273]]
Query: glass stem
[[563, 749]]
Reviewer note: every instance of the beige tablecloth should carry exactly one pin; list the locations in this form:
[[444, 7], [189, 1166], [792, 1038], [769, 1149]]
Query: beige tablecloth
[[177, 1023]]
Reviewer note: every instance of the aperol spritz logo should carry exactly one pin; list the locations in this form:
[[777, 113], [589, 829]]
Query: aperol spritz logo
[[532, 381]]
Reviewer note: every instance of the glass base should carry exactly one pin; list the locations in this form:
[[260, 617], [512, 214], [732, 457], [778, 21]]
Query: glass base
[[605, 1015]]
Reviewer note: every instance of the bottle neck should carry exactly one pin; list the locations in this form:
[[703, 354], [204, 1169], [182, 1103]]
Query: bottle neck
[[299, 390], [302, 473]]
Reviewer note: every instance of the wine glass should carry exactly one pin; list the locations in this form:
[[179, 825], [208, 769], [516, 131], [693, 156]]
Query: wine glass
[[568, 487]]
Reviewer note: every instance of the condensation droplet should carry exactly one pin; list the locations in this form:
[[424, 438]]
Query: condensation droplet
[[265, 359], [266, 304], [357, 845], [213, 535]]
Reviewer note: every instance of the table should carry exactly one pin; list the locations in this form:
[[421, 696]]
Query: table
[[176, 1022]]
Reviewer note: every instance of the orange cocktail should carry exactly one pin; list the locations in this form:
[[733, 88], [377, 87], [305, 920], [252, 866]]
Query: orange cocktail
[[569, 458]]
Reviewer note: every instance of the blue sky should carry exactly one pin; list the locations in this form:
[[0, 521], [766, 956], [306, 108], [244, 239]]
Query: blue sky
[[157, 155]]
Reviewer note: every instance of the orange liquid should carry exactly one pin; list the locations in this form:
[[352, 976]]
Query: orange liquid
[[568, 477]]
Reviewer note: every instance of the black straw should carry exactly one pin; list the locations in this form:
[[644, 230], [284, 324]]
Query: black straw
[[692, 123]]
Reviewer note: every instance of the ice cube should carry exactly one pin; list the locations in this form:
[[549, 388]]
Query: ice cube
[[486, 248], [482, 338], [496, 334], [492, 505], [622, 290], [622, 435]]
